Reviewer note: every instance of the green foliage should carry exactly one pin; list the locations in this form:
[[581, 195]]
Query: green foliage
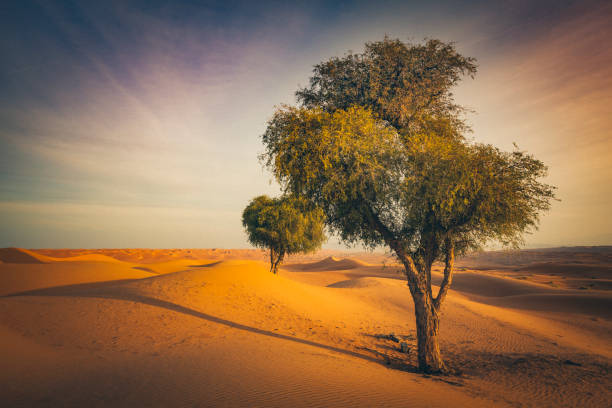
[[285, 225], [407, 85], [375, 186], [470, 193], [340, 161]]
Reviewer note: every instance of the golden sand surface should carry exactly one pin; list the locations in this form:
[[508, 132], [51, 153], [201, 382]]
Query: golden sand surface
[[213, 327]]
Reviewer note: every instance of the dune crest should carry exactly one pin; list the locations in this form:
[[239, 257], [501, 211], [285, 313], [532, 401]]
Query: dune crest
[[366, 282], [19, 256], [330, 263]]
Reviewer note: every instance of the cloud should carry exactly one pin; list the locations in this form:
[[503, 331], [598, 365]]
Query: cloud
[[553, 96], [111, 111], [170, 120]]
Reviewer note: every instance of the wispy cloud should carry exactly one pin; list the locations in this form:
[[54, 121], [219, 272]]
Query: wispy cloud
[[553, 96], [112, 112]]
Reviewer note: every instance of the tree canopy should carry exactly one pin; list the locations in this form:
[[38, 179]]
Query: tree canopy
[[407, 85], [376, 187], [378, 144], [284, 225]]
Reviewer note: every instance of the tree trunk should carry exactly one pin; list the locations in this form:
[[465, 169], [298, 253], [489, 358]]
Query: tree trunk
[[426, 313], [276, 258], [428, 325]]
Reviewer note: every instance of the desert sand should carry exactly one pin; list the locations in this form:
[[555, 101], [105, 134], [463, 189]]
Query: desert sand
[[190, 327]]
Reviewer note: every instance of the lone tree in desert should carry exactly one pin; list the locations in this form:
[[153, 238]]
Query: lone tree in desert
[[285, 225], [378, 144]]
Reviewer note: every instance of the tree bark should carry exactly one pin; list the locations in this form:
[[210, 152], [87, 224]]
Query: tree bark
[[276, 258], [272, 260], [425, 310], [279, 259], [428, 326], [448, 274], [427, 316]]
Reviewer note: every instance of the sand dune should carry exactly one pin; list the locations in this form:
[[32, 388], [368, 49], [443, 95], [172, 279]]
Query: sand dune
[[23, 277], [357, 283], [569, 269], [328, 264], [19, 256], [581, 268], [246, 321], [24, 270], [227, 332], [594, 304], [491, 285], [140, 255]]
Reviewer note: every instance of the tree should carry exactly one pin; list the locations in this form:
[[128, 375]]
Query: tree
[[392, 168], [285, 225]]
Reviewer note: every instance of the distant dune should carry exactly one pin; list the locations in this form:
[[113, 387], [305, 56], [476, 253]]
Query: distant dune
[[367, 282], [568, 269], [80, 327], [35, 271], [19, 256], [330, 263]]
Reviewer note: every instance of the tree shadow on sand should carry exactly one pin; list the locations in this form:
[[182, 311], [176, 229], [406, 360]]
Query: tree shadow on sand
[[111, 290]]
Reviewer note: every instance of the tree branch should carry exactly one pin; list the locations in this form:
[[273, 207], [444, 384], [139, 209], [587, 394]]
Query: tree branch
[[396, 245], [448, 273]]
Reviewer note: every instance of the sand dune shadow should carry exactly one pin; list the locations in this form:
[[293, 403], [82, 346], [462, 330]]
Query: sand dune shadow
[[108, 290]]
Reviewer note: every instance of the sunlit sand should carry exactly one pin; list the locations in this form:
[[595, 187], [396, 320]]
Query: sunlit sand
[[175, 328]]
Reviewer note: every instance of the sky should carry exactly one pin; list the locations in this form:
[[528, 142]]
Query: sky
[[138, 123]]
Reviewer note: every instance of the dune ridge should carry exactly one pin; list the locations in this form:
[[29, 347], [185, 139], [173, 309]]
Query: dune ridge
[[23, 270], [19, 256], [330, 263]]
